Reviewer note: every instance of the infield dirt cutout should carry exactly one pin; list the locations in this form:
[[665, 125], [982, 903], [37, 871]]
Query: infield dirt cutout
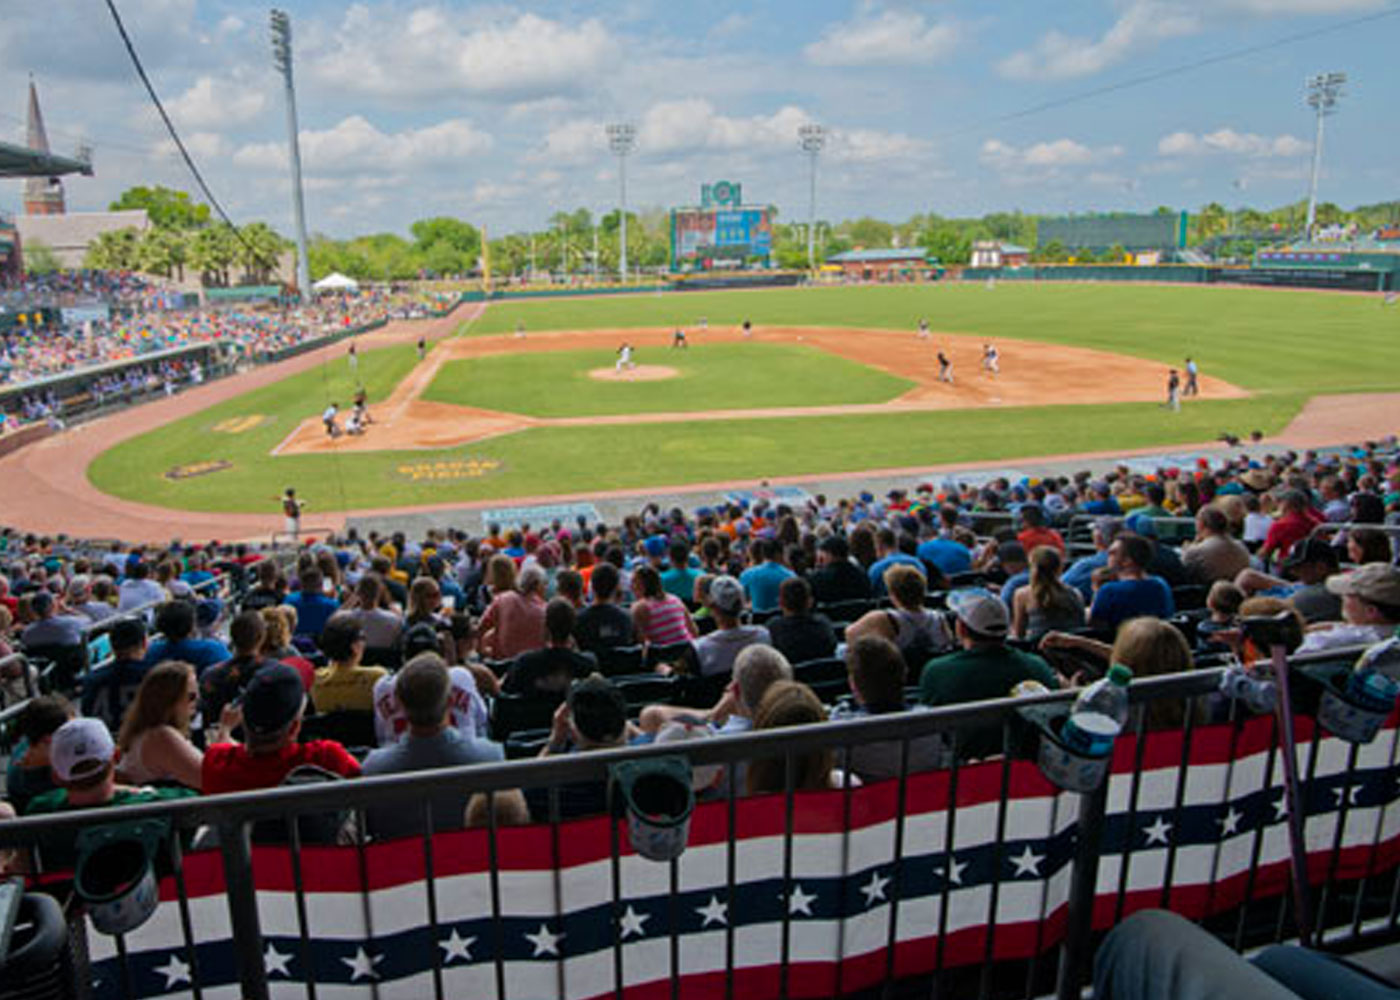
[[637, 373], [1032, 374]]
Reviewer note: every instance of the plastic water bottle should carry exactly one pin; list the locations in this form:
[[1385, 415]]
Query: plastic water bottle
[[1370, 688], [1099, 714]]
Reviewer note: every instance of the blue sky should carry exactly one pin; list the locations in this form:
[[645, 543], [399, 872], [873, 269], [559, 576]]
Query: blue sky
[[495, 112]]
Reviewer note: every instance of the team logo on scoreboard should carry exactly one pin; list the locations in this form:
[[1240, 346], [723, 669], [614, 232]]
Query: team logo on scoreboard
[[721, 194]]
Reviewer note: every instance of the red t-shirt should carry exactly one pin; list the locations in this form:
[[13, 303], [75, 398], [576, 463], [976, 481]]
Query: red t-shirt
[[229, 767], [1032, 537], [1289, 529]]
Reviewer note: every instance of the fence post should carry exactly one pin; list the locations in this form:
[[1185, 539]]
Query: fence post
[[1077, 948], [243, 909]]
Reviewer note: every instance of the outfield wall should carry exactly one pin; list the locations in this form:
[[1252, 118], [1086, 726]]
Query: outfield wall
[[1354, 279]]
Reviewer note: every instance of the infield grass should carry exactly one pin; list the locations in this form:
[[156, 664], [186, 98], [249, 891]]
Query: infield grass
[[709, 377], [1283, 346]]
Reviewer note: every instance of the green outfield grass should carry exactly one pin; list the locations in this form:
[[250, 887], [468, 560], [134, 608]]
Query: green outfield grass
[[710, 377], [1283, 346]]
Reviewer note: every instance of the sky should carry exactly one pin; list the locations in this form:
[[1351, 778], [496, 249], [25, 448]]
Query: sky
[[495, 112]]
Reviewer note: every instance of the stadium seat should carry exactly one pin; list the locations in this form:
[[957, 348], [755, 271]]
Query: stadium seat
[[845, 611], [640, 690], [681, 655], [960, 581], [389, 657], [615, 660], [347, 727], [513, 713], [1189, 596], [526, 743], [826, 677]]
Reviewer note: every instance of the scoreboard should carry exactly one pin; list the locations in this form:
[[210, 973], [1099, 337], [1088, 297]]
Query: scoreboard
[[721, 230]]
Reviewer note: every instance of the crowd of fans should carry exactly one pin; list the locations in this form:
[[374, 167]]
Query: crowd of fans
[[380, 654]]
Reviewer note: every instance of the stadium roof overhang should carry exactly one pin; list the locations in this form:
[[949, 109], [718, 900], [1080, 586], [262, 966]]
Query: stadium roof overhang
[[21, 161]]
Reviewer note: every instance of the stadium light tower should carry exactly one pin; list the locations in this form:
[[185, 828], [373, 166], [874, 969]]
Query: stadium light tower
[[622, 137], [812, 138], [1324, 90], [281, 26]]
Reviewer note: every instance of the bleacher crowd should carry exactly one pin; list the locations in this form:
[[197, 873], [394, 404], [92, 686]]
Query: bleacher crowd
[[203, 669]]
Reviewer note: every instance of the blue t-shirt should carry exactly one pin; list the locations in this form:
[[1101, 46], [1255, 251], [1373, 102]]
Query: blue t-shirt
[[313, 611], [877, 571], [762, 583], [1120, 600], [1014, 583], [949, 556], [1080, 575], [198, 653], [680, 582]]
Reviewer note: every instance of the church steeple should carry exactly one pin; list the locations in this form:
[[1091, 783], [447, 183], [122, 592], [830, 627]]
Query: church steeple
[[42, 195]]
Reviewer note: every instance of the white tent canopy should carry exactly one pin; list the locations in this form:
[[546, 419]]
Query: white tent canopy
[[336, 282]]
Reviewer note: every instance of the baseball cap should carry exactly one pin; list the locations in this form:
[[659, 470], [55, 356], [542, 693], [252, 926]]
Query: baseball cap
[[1141, 524], [980, 610], [655, 545], [420, 638], [1311, 550], [1376, 582], [727, 594], [273, 698], [80, 748]]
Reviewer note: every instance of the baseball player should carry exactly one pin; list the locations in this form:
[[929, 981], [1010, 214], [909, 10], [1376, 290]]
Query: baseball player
[[748, 329], [1191, 389], [422, 348], [291, 513], [945, 368], [354, 356], [678, 340], [923, 328], [1173, 391], [520, 329], [328, 416], [624, 358], [991, 360]]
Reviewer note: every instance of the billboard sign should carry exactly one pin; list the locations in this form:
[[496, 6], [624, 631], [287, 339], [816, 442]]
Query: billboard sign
[[727, 233]]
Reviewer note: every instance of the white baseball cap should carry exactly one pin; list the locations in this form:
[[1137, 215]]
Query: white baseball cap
[[80, 748]]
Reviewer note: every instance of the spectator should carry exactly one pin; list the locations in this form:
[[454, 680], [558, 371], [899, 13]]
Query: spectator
[[110, 688], [138, 590], [1309, 565], [1296, 520], [603, 625], [894, 549], [1370, 609], [762, 580], [271, 588], [1035, 532], [54, 626], [1215, 554], [344, 685], [382, 625], [423, 688], [1131, 593], [82, 756], [466, 709], [1223, 602], [716, 651], [943, 552], [279, 624], [919, 633], [80, 601], [876, 673], [175, 621], [837, 577], [313, 605], [756, 668], [272, 707], [1149, 647], [658, 618], [1045, 603], [514, 621], [984, 668], [679, 579], [424, 604], [789, 703], [29, 775], [155, 735], [797, 633], [1080, 573], [223, 683], [1368, 545], [593, 717], [551, 670], [1012, 565]]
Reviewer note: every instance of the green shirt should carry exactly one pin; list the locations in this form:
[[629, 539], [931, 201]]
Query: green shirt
[[978, 674], [60, 853]]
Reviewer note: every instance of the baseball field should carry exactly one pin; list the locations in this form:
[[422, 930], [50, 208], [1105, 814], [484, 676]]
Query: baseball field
[[831, 381]]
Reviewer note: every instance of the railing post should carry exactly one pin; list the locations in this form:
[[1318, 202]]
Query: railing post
[[1076, 950], [243, 909]]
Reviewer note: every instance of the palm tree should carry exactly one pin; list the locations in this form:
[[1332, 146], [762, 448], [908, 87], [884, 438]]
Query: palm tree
[[258, 251], [115, 250]]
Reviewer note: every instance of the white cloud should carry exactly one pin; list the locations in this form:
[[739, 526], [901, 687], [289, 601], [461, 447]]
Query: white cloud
[[1286, 8], [212, 103], [436, 51], [1057, 56], [870, 146], [203, 146], [883, 38], [1228, 141], [1042, 157], [734, 24], [355, 145]]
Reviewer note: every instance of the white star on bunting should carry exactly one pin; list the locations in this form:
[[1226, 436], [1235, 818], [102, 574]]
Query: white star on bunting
[[715, 911], [1281, 808], [632, 922], [875, 889], [276, 961], [800, 902], [1157, 832], [456, 946], [954, 870], [545, 942], [1349, 794], [1230, 822], [1028, 863], [363, 964], [174, 971]]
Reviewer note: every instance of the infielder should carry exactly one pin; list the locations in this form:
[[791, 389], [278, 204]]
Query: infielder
[[945, 368], [923, 328], [991, 360]]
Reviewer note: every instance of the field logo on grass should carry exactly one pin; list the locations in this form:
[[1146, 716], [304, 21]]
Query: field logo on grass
[[241, 425], [448, 469], [198, 469]]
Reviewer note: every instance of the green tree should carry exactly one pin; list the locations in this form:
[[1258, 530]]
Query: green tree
[[162, 251], [212, 253], [115, 250], [167, 208], [258, 252], [39, 258], [868, 233]]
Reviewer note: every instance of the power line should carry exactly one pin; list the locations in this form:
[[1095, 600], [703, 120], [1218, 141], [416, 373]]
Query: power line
[[1153, 77], [179, 143]]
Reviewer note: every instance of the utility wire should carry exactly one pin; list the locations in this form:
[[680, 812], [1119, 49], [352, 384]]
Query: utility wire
[[253, 252], [1153, 77]]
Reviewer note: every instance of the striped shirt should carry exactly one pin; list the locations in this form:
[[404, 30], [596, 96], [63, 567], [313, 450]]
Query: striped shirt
[[665, 621]]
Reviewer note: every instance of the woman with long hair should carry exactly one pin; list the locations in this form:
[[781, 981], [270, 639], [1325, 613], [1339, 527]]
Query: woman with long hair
[[919, 633], [1368, 545], [1150, 647], [790, 703], [1045, 603], [424, 603], [658, 618], [155, 733]]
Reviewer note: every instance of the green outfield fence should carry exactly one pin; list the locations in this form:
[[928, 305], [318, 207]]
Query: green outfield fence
[[1359, 279]]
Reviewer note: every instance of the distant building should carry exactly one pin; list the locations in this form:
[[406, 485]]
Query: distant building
[[42, 195], [69, 235], [991, 253], [908, 264]]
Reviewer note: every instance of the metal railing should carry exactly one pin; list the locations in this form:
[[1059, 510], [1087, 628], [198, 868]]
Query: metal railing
[[972, 876]]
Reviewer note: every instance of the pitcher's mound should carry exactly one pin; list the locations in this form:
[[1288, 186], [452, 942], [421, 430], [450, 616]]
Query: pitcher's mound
[[641, 373]]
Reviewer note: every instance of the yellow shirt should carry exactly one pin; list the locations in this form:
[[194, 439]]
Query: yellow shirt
[[345, 688]]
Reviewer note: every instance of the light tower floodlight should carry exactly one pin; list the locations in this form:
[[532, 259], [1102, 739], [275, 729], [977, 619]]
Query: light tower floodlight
[[622, 138], [281, 27], [1324, 90], [812, 138]]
